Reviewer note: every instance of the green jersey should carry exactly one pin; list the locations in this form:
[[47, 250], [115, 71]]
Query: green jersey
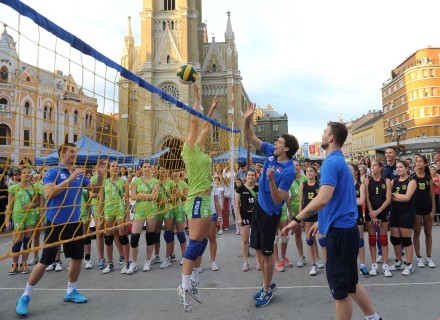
[[85, 197], [182, 185], [166, 189], [113, 195], [94, 202], [21, 197], [294, 194], [198, 169]]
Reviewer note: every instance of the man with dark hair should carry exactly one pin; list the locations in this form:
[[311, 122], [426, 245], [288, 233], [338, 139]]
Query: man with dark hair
[[63, 187], [389, 168], [274, 184], [336, 203]]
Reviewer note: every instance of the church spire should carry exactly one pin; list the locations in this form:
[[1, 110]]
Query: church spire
[[128, 51], [229, 34], [129, 32]]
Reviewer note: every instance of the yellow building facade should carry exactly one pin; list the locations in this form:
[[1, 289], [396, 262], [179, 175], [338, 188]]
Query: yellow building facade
[[366, 137]]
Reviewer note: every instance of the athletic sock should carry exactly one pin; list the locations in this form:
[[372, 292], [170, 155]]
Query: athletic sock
[[374, 316], [186, 281], [28, 290], [195, 275], [71, 286]]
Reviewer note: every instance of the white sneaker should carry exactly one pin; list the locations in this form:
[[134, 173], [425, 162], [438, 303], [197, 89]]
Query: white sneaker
[[220, 232], [109, 268], [397, 265], [386, 270], [420, 262], [313, 270], [124, 269], [319, 263], [181, 261], [214, 266], [155, 259], [59, 266], [132, 268], [430, 263], [301, 262], [165, 263], [88, 264], [379, 259], [51, 267], [194, 291], [185, 299], [147, 266], [408, 270], [373, 271], [33, 261]]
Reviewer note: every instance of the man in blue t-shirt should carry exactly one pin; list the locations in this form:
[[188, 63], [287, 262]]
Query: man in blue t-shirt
[[389, 168], [275, 180], [336, 203], [62, 189]]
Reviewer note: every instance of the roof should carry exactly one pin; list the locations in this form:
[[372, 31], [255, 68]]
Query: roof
[[369, 122]]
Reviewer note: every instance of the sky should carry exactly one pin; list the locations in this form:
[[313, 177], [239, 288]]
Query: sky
[[313, 60]]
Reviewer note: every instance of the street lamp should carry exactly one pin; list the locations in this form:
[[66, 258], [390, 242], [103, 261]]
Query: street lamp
[[396, 135]]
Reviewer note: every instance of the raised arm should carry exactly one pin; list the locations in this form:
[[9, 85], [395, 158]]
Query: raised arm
[[248, 133], [194, 122], [206, 125]]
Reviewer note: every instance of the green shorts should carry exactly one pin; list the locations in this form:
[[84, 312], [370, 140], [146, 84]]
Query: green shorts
[[114, 212], [198, 207], [179, 213], [84, 216], [284, 214], [145, 210], [25, 219], [165, 212]]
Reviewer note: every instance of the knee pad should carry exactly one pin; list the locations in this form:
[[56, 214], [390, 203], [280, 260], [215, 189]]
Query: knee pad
[[395, 241], [361, 243], [87, 240], [383, 240], [123, 240], [284, 239], [108, 240], [406, 242], [277, 240], [181, 237], [372, 240], [27, 242], [168, 236], [310, 241], [150, 237], [195, 249], [156, 237], [134, 243], [17, 246], [322, 242]]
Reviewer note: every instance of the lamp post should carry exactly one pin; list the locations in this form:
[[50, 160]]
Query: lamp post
[[396, 135]]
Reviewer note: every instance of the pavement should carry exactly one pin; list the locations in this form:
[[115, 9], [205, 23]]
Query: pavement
[[227, 293]]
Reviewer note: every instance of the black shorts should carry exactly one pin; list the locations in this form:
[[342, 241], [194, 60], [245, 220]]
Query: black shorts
[[423, 210], [263, 230], [312, 219], [55, 233], [341, 266], [402, 219], [383, 216], [360, 219], [246, 218]]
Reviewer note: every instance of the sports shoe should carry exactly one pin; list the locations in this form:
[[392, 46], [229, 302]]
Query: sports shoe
[[364, 272], [14, 269], [101, 263], [88, 264], [181, 261], [237, 230], [257, 266], [301, 262], [185, 299], [420, 262], [132, 268], [121, 260], [319, 263], [286, 262], [408, 270], [109, 268], [172, 257], [397, 265], [373, 270], [214, 266], [165, 263], [264, 299], [33, 261], [200, 268], [194, 291], [220, 232], [430, 263], [59, 266], [279, 266], [124, 269], [245, 267], [273, 288], [24, 268], [386, 270], [379, 259], [147, 266], [51, 267], [21, 307], [226, 229], [313, 270], [74, 297], [155, 259]]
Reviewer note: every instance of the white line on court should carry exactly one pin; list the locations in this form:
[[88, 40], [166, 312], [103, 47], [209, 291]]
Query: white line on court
[[229, 288]]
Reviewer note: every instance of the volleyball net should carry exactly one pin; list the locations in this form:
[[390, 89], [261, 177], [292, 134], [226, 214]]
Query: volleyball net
[[56, 89]]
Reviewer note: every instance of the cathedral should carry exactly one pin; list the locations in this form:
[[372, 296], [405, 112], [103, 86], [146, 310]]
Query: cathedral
[[172, 34]]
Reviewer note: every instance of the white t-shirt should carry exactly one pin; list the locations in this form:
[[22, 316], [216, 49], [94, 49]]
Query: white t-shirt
[[216, 192]]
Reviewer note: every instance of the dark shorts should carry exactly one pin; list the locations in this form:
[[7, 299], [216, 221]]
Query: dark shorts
[[246, 218], [312, 219], [383, 216], [263, 230], [423, 210], [402, 219], [55, 233], [341, 266], [360, 219]]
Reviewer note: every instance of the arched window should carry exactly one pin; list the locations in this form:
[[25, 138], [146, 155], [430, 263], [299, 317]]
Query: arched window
[[169, 5], [3, 104], [50, 113], [4, 74], [45, 113], [214, 68], [163, 25], [90, 119], [66, 117], [172, 25], [5, 135], [168, 58], [75, 116], [87, 120], [27, 108]]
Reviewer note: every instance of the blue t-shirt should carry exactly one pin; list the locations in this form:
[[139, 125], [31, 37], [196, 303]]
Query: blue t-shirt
[[390, 171], [341, 210], [66, 206], [284, 176]]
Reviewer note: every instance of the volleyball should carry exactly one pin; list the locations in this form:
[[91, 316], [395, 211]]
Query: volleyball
[[187, 74]]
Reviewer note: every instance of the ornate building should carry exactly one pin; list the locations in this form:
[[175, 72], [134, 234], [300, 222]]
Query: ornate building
[[173, 34], [269, 124]]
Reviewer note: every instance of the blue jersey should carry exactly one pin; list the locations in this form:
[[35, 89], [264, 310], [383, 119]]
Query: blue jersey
[[284, 176], [341, 210], [66, 206], [390, 171]]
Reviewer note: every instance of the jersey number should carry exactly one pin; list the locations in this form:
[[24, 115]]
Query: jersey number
[[310, 195]]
